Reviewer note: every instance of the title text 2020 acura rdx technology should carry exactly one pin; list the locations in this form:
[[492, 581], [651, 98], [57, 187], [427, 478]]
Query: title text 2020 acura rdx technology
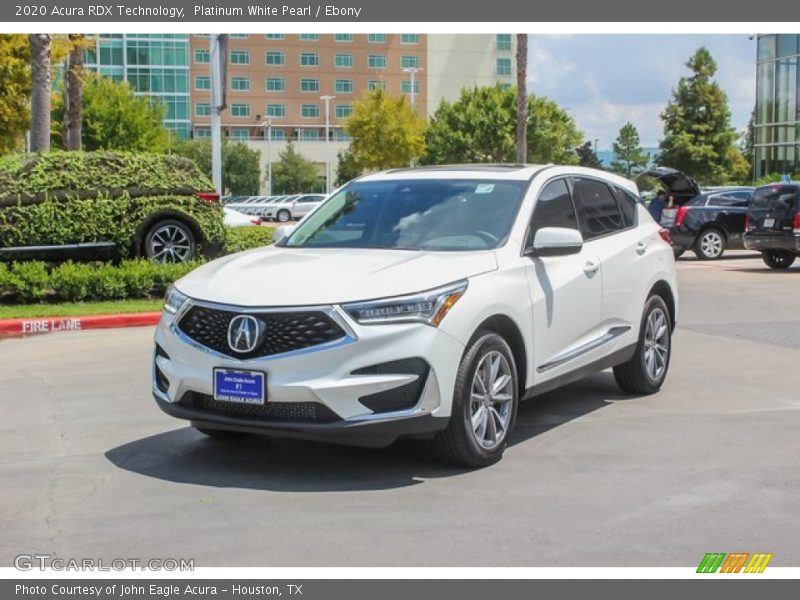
[[424, 302]]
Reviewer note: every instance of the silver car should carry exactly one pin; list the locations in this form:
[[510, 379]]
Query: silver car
[[305, 204]]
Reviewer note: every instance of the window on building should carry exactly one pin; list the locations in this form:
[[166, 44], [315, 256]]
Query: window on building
[[274, 36], [344, 86], [343, 37], [376, 84], [309, 111], [344, 61], [786, 44], [240, 84], [342, 111], [202, 109], [202, 56], [202, 132], [409, 62], [340, 135], [240, 110], [277, 111], [503, 66], [240, 57], [309, 37], [275, 58], [502, 42], [376, 38], [599, 212], [309, 59], [240, 134], [405, 86], [309, 135], [277, 134], [376, 61], [409, 38], [309, 85], [238, 36], [202, 82], [275, 84]]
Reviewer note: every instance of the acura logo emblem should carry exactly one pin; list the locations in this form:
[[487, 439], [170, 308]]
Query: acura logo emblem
[[244, 333]]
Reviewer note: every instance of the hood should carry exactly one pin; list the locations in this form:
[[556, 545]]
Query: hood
[[275, 276], [675, 182]]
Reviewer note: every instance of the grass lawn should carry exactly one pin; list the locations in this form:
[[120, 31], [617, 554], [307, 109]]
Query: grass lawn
[[70, 309]]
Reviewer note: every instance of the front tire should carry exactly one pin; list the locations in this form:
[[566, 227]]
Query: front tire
[[284, 216], [710, 244], [484, 405], [646, 371], [777, 259], [170, 241]]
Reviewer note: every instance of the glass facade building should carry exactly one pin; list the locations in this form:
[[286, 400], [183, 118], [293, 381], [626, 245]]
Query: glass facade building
[[155, 65], [777, 117]]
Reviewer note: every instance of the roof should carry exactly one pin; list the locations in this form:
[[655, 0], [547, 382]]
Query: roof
[[477, 171]]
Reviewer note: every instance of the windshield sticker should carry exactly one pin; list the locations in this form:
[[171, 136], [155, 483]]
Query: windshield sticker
[[484, 188]]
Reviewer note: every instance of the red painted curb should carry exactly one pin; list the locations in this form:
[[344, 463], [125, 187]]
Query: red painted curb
[[37, 325]]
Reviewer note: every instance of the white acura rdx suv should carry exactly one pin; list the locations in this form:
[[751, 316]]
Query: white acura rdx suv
[[424, 302]]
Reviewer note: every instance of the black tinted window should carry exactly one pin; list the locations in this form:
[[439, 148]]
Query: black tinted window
[[554, 208], [775, 196], [600, 214], [627, 206], [723, 201]]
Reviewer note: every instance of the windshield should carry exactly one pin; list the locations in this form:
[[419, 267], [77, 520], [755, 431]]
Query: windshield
[[775, 197], [445, 214]]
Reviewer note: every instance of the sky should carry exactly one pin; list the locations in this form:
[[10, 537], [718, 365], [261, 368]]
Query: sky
[[606, 80]]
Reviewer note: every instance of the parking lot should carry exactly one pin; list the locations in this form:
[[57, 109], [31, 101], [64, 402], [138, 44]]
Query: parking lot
[[92, 468]]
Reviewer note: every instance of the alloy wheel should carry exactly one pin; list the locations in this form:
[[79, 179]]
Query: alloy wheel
[[169, 243], [656, 344], [491, 398], [712, 244]]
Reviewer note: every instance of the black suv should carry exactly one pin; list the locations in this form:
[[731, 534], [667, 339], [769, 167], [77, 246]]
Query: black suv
[[773, 224], [707, 222]]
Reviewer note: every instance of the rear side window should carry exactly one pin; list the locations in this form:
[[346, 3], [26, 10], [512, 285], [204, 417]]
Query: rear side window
[[554, 208], [599, 212], [627, 206], [723, 201], [775, 196]]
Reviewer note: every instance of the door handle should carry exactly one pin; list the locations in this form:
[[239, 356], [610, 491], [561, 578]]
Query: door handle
[[641, 248], [591, 267]]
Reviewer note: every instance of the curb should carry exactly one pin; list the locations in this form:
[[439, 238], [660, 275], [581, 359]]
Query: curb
[[39, 325]]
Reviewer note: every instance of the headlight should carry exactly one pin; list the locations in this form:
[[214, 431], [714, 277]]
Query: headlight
[[174, 300], [426, 307]]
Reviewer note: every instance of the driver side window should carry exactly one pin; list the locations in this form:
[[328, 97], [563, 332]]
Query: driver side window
[[554, 208]]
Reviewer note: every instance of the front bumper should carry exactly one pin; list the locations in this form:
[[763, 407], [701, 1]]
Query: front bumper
[[789, 242], [321, 376]]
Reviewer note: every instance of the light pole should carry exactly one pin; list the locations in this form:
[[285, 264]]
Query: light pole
[[413, 71], [327, 100], [267, 124]]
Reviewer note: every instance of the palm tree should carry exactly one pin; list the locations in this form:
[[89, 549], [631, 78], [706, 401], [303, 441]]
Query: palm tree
[[74, 80], [522, 97], [40, 91]]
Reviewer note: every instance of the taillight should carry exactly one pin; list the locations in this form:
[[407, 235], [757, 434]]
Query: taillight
[[256, 221], [796, 223], [681, 214], [208, 196], [748, 226], [664, 233]]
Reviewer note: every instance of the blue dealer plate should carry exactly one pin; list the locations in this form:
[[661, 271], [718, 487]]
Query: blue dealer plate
[[245, 387]]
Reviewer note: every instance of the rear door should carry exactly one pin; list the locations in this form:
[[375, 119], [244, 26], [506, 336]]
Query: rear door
[[773, 208], [731, 211]]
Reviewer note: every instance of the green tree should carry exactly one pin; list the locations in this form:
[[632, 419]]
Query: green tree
[[114, 118], [480, 127], [294, 174], [698, 137], [748, 146], [587, 156], [387, 132], [346, 168], [628, 153], [15, 91], [241, 171]]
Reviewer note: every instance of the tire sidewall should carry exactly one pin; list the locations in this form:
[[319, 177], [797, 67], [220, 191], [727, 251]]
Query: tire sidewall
[[159, 224], [280, 214], [652, 303], [484, 344], [699, 247]]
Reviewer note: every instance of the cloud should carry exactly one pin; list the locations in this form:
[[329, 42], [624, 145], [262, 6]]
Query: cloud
[[606, 80]]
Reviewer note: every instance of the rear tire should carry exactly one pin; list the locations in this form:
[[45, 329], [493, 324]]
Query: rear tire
[[484, 405], [710, 244], [283, 216], [646, 371], [778, 259]]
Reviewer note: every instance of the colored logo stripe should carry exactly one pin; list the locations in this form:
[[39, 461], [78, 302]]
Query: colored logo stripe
[[734, 562], [758, 562], [711, 562]]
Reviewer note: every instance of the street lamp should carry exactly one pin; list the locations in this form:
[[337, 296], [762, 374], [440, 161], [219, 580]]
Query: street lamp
[[327, 100], [413, 71], [267, 125]]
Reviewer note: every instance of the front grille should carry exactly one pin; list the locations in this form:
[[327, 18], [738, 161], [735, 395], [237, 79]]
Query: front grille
[[284, 331], [283, 412], [399, 398]]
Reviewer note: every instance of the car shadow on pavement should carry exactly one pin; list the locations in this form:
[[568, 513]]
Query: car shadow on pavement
[[253, 462]]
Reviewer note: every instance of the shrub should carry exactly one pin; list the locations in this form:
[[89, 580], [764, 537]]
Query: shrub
[[245, 238], [107, 283], [139, 277], [72, 281], [30, 280]]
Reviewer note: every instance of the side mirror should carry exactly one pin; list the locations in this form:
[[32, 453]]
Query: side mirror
[[282, 232], [556, 241]]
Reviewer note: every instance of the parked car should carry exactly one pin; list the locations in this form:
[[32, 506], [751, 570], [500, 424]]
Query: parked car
[[773, 224], [234, 218], [280, 209], [707, 222], [305, 204], [408, 304], [103, 204]]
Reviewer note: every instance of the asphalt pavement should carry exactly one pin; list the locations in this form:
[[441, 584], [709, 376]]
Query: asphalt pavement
[[90, 467]]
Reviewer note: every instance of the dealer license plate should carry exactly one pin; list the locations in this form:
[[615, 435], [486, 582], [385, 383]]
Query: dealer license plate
[[244, 387]]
